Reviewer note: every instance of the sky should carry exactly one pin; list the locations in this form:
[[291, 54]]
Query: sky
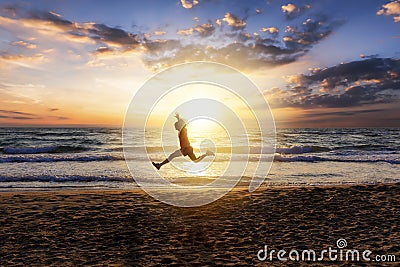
[[325, 63]]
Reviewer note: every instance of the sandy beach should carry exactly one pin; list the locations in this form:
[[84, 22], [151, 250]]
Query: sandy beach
[[123, 228]]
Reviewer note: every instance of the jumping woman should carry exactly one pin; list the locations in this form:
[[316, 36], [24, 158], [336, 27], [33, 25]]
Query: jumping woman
[[186, 149]]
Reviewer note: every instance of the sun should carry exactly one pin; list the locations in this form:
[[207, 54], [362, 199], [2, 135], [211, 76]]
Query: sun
[[203, 125]]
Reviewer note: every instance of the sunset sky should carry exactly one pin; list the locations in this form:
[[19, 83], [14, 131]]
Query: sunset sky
[[325, 63]]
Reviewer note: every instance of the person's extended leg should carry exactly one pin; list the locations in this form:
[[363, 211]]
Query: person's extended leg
[[193, 157], [175, 154]]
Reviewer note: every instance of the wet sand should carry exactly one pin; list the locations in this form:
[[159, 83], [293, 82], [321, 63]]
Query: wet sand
[[129, 228]]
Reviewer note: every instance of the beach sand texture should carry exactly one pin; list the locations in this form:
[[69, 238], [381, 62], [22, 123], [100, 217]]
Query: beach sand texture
[[120, 228]]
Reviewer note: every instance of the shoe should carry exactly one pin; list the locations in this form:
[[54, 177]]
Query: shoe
[[210, 153], [157, 165]]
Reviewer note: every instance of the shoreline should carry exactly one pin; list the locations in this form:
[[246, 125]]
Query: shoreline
[[135, 187]]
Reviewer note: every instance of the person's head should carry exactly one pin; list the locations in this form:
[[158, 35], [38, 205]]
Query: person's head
[[180, 124]]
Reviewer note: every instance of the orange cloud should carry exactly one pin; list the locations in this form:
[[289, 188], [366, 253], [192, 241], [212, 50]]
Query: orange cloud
[[289, 8], [24, 44], [189, 4], [271, 30], [234, 21], [391, 9], [185, 31]]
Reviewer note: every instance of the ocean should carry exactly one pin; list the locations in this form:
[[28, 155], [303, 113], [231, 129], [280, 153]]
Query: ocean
[[82, 158]]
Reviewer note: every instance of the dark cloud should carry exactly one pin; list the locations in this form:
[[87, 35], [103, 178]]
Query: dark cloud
[[309, 33], [357, 83], [239, 55], [205, 29], [201, 30], [240, 48], [367, 117], [113, 35], [61, 118], [52, 17], [99, 33], [16, 115], [344, 113], [223, 40], [19, 115], [160, 48], [16, 112]]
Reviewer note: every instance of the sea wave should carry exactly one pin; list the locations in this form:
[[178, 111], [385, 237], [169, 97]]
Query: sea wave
[[302, 149], [44, 158], [149, 181], [43, 150], [93, 157], [243, 149], [281, 158], [98, 146], [368, 147], [75, 178]]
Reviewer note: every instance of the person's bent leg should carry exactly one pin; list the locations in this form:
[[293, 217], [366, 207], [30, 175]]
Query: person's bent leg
[[193, 157]]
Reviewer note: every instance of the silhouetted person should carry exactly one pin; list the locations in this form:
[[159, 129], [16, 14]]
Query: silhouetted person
[[186, 149]]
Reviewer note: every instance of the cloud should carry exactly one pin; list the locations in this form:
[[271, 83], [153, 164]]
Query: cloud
[[26, 61], [15, 112], [25, 44], [111, 35], [236, 54], [344, 113], [189, 4], [202, 30], [16, 115], [289, 8], [238, 48], [272, 30], [309, 33], [185, 31], [61, 118], [21, 85], [391, 9], [292, 11], [104, 50], [357, 83], [223, 40], [233, 21], [50, 23], [158, 33], [205, 29], [19, 115]]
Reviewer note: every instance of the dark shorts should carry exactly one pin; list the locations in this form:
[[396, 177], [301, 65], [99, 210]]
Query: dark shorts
[[187, 150]]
